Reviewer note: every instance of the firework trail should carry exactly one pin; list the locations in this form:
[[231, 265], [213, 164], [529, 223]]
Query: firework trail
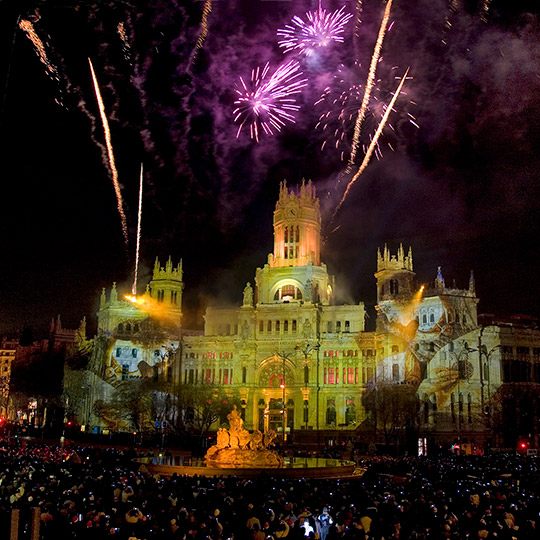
[[373, 143], [485, 10], [52, 71], [452, 9], [320, 29], [369, 86], [207, 9], [357, 22], [139, 215], [126, 49], [28, 27], [268, 104], [110, 155]]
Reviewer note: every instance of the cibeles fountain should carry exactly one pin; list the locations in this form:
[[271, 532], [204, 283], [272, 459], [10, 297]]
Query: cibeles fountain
[[238, 452], [238, 448]]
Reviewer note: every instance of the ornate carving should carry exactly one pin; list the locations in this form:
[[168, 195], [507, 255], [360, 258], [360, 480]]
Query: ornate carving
[[248, 295]]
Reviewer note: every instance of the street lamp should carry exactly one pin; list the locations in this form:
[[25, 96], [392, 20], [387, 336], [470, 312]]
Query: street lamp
[[306, 350]]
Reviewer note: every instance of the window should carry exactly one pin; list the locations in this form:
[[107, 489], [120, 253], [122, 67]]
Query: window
[[269, 326], [347, 326], [174, 297], [285, 326], [160, 295], [331, 412], [244, 375], [350, 375], [125, 372], [277, 326], [136, 328], [294, 325], [118, 352], [395, 349], [120, 327], [350, 412], [225, 379], [331, 376], [338, 326], [261, 326], [134, 353], [394, 286], [329, 327], [208, 376], [431, 317]]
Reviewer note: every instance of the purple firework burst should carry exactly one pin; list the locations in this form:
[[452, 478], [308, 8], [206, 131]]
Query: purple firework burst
[[320, 29], [268, 102]]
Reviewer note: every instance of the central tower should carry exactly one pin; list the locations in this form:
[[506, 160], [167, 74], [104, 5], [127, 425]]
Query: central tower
[[297, 228], [294, 272]]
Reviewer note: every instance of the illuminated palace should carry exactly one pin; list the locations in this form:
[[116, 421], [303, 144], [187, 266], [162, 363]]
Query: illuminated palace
[[298, 361]]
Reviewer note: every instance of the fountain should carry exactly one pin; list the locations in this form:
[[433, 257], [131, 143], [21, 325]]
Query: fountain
[[238, 452], [238, 448]]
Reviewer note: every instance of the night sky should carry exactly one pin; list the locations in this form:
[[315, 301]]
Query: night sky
[[463, 188]]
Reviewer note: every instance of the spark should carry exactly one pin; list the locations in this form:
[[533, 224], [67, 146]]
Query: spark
[[268, 102], [125, 43], [28, 27], [485, 10], [110, 154], [369, 85], [320, 30], [373, 143], [203, 33], [139, 215]]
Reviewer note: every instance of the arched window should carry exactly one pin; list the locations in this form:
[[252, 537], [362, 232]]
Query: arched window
[[432, 317], [128, 327], [424, 319], [134, 353], [118, 352], [120, 327]]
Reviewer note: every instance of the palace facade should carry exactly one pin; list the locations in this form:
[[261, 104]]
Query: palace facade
[[300, 363]]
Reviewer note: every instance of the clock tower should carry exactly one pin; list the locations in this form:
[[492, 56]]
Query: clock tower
[[297, 228], [294, 272]]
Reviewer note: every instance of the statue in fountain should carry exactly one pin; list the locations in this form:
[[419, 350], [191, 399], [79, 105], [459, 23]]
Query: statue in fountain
[[236, 447]]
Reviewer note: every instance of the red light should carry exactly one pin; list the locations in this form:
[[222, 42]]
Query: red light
[[1, 420], [69, 423], [523, 445]]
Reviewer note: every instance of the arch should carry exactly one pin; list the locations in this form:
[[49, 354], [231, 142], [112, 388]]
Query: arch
[[277, 287], [274, 366]]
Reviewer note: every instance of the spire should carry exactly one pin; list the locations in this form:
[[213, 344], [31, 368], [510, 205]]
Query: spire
[[472, 284], [103, 299], [439, 280], [114, 293]]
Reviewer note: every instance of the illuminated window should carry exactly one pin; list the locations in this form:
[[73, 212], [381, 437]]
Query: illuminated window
[[331, 376], [287, 291], [350, 375], [325, 376], [208, 376]]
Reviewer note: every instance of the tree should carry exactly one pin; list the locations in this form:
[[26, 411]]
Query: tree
[[513, 413], [202, 405], [391, 410]]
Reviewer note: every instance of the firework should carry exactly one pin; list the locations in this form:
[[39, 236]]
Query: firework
[[28, 27], [267, 102], [342, 99], [373, 143], [125, 43], [202, 33], [485, 10], [110, 154], [369, 85], [139, 215], [319, 30]]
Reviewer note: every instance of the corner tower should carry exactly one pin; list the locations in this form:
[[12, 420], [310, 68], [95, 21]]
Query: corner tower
[[167, 285], [395, 276]]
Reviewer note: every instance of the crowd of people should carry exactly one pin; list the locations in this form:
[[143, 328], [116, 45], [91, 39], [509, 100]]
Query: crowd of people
[[92, 493]]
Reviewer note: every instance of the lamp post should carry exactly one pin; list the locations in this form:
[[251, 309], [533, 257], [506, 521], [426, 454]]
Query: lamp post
[[306, 350]]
